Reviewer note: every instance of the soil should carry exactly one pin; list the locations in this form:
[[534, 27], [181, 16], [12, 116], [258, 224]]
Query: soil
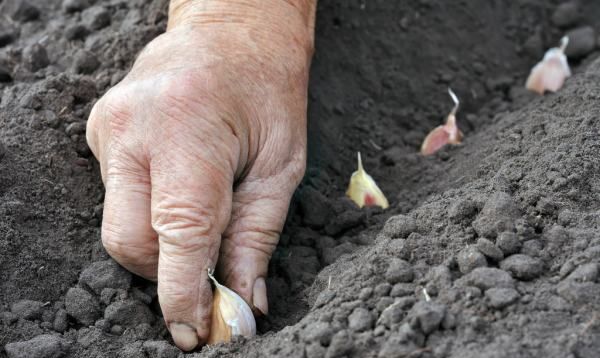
[[489, 249]]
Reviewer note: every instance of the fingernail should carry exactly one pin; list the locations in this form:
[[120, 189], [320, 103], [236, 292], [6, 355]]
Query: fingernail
[[259, 296], [184, 336]]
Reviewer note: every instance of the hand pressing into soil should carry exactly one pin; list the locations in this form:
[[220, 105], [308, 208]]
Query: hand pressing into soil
[[201, 147]]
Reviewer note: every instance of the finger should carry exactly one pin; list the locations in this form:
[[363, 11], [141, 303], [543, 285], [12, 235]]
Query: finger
[[91, 131], [191, 205], [259, 211], [127, 232]]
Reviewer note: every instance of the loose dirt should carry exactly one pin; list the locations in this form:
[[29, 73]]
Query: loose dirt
[[489, 249]]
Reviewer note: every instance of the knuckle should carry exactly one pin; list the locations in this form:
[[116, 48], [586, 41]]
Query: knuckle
[[259, 241], [178, 296], [124, 248], [188, 228], [182, 295], [112, 111], [118, 117], [299, 168]]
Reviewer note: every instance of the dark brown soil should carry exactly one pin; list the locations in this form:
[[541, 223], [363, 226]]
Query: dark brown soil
[[502, 232]]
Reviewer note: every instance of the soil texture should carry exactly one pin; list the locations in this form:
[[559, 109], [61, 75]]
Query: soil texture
[[489, 249]]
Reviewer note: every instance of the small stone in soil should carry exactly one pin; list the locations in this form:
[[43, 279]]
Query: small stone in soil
[[340, 346], [27, 309], [44, 346], [395, 312], [428, 315], [35, 57], [85, 62], [399, 271], [499, 212], [489, 249], [523, 267], [128, 313], [383, 289], [75, 5], [76, 32], [501, 297], [116, 330], [486, 278], [20, 10], [585, 273], [402, 289], [532, 248], [470, 258], [399, 226], [8, 318], [365, 293], [360, 320], [318, 332], [75, 128], [95, 18], [82, 306], [566, 14], [60, 321], [103, 274], [461, 210], [508, 242], [582, 41], [383, 303]]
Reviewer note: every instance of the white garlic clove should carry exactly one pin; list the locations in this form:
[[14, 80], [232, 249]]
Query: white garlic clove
[[550, 74], [363, 190], [444, 134], [230, 315]]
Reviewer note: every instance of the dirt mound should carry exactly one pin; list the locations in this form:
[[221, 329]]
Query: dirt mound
[[491, 248]]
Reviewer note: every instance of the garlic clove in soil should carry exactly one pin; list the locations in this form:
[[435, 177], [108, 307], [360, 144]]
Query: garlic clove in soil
[[363, 190], [230, 315], [444, 134], [550, 74]]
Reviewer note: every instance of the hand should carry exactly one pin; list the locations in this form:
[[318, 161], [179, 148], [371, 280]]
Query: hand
[[201, 147]]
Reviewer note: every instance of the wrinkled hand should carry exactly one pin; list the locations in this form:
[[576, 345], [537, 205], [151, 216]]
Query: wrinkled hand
[[201, 147]]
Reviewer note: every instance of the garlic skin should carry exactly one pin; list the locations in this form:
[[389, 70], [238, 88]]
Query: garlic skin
[[230, 315], [550, 74], [444, 134], [363, 190]]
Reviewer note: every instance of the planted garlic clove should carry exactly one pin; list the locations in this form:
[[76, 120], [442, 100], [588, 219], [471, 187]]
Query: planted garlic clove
[[230, 315], [363, 190], [444, 134], [550, 74]]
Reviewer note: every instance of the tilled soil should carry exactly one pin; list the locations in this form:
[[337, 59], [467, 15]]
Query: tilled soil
[[489, 249]]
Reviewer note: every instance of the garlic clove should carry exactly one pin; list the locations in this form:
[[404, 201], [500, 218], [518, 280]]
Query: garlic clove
[[550, 74], [444, 134], [435, 140], [363, 190], [230, 315]]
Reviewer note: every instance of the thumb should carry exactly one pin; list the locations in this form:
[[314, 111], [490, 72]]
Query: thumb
[[191, 205], [259, 211]]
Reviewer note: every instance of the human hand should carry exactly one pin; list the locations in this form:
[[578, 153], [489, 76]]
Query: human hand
[[201, 147]]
